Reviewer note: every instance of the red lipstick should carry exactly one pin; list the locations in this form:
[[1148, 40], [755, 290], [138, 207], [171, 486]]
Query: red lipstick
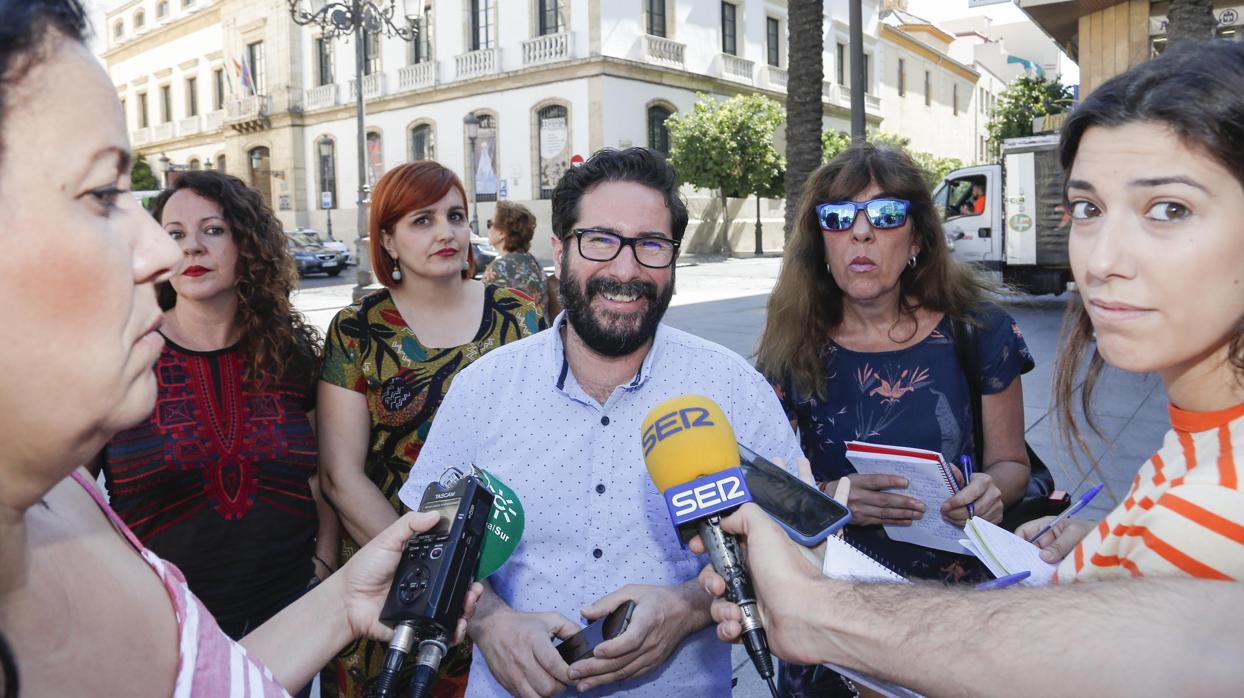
[[195, 270]]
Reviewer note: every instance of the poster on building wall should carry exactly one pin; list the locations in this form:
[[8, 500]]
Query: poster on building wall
[[554, 150], [375, 158], [486, 162]]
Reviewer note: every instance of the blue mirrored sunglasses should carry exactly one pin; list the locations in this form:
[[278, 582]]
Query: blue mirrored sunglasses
[[838, 216]]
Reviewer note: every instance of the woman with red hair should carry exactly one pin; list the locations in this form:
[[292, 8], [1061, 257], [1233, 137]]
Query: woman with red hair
[[389, 360]]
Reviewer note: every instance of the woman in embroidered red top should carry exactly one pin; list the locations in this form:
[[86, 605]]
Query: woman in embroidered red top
[[218, 480], [389, 360]]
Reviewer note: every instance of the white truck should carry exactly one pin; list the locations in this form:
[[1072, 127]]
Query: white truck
[[1019, 230]]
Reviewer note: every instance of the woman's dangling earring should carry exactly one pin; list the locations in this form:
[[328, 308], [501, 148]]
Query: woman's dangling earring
[[397, 272], [912, 262]]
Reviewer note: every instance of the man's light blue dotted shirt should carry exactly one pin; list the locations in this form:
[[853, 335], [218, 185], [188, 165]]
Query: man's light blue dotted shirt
[[594, 520]]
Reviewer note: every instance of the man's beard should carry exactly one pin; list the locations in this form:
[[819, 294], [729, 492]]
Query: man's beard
[[622, 336]]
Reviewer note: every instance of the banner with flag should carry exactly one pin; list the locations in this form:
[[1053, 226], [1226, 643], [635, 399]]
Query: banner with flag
[[243, 71]]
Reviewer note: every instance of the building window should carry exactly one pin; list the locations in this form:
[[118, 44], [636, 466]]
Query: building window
[[375, 157], [125, 115], [486, 159], [866, 81], [260, 163], [371, 52], [254, 53], [729, 29], [554, 144], [194, 164], [218, 89], [422, 143], [323, 61], [166, 104], [902, 77], [656, 17], [326, 152], [773, 41], [189, 3], [421, 47], [220, 163], [481, 25], [954, 98], [192, 96], [140, 18], [142, 110], [549, 12], [658, 134], [161, 9], [928, 89], [842, 64], [118, 29]]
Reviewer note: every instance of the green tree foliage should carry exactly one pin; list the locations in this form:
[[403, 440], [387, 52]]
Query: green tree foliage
[[1024, 99], [141, 177], [728, 146], [935, 167]]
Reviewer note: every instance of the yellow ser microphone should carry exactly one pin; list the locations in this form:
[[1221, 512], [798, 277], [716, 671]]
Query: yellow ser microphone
[[693, 459]]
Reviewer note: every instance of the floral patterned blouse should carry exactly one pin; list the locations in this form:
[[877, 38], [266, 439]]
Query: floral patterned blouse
[[371, 350], [915, 397], [522, 271]]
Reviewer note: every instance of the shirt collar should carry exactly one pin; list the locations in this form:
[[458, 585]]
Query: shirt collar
[[561, 367]]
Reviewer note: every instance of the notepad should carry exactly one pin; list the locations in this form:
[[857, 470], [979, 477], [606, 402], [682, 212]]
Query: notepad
[[845, 561], [930, 479], [1005, 553]]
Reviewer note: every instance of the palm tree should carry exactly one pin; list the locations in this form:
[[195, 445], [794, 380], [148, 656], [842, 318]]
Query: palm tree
[[1190, 21], [803, 99]]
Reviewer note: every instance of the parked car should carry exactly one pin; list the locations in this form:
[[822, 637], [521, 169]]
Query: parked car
[[312, 257], [342, 249], [485, 253]]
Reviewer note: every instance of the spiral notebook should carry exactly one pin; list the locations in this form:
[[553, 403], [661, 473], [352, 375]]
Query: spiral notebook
[[930, 479]]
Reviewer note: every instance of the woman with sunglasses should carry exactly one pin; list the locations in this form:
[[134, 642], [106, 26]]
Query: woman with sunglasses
[[859, 345]]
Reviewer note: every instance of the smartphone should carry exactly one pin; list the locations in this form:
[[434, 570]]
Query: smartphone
[[808, 514], [580, 645]]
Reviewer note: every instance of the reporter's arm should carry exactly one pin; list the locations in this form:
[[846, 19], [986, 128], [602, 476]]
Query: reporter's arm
[[344, 427]]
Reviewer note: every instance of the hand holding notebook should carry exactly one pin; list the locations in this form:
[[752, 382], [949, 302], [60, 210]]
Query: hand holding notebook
[[930, 479], [1005, 553]]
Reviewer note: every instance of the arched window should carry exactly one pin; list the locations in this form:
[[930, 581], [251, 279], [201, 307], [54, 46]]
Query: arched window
[[194, 164], [162, 9], [486, 162], [220, 163], [258, 159], [554, 145], [140, 18], [658, 135], [375, 157], [326, 154], [118, 29], [422, 143]]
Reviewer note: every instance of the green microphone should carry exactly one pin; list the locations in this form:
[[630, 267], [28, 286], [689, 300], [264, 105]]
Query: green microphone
[[505, 525]]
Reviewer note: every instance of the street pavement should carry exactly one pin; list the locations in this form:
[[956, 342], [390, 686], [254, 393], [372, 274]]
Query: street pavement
[[725, 301]]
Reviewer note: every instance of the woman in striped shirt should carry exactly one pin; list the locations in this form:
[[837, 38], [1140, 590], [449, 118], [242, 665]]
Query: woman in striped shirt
[[1155, 190]]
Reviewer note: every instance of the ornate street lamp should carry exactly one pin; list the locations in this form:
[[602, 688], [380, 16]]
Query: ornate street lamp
[[472, 131], [165, 166], [346, 18], [328, 163]]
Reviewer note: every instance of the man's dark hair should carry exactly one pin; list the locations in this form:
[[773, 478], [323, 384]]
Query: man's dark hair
[[638, 165]]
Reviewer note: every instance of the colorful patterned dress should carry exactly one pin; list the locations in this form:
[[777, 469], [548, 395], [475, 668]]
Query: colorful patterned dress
[[216, 482], [522, 271], [371, 350]]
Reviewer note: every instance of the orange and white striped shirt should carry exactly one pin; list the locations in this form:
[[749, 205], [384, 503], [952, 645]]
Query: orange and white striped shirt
[[1185, 512]]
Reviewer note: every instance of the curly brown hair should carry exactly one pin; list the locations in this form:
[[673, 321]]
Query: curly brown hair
[[517, 225], [807, 305], [274, 334]]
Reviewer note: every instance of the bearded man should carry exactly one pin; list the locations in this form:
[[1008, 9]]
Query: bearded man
[[557, 417]]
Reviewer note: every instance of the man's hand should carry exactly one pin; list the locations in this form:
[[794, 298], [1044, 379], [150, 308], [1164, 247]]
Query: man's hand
[[519, 649], [981, 492], [1060, 541], [663, 616], [784, 580], [870, 505], [363, 582]]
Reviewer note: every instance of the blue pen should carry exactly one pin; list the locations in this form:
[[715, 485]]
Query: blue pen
[[966, 461], [1002, 582], [1073, 509]]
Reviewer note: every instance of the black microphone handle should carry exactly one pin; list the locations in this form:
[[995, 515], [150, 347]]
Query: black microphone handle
[[723, 548]]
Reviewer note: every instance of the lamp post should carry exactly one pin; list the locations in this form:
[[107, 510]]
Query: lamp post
[[165, 165], [346, 18], [326, 161], [471, 121]]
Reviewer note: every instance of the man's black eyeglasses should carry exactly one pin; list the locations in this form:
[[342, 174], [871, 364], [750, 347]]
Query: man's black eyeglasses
[[603, 245]]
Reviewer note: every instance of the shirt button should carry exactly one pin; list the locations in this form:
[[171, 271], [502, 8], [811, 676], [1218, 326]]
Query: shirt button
[[597, 553], [600, 489], [604, 420]]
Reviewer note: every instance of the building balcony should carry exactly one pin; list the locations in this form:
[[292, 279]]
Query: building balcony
[[413, 77], [248, 112], [737, 69], [190, 125], [476, 63], [141, 136], [661, 51], [841, 95], [549, 48], [320, 97], [373, 86], [162, 132], [775, 77], [213, 120]]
